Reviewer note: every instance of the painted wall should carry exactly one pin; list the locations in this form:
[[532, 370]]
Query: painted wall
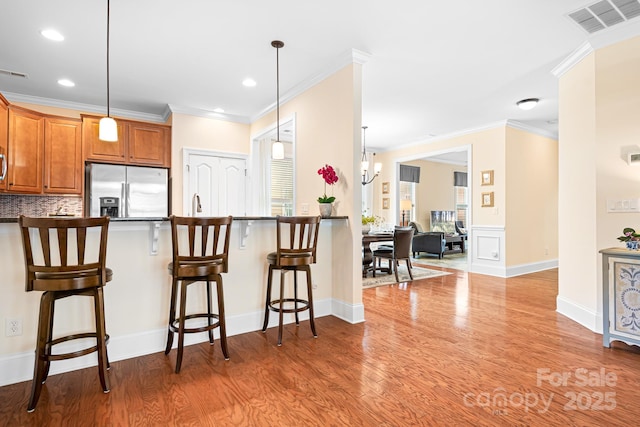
[[531, 189], [488, 153], [599, 110], [202, 133], [516, 158], [328, 118], [435, 190]]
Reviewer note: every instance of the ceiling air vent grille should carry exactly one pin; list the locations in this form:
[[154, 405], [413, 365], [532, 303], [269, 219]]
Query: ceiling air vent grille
[[12, 74], [605, 13]]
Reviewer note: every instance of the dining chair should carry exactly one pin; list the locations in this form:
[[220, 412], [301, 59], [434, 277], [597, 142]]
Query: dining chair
[[401, 250]]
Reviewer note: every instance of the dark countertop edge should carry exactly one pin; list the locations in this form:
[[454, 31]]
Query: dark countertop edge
[[235, 218]]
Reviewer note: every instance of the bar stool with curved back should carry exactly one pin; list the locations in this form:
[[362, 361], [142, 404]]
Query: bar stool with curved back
[[401, 250], [297, 238], [198, 260], [60, 271]]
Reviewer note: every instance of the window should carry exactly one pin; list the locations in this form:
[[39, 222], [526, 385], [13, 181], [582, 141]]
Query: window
[[282, 187], [273, 181], [407, 190], [461, 198]]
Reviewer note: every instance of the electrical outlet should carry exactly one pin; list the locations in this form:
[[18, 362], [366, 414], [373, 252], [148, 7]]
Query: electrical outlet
[[12, 327]]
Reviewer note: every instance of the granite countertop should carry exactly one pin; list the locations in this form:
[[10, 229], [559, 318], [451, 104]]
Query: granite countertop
[[235, 218]]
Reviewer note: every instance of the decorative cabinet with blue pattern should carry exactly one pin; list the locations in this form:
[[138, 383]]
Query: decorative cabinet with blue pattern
[[620, 296]]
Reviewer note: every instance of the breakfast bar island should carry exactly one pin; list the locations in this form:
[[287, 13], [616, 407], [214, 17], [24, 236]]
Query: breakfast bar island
[[137, 299]]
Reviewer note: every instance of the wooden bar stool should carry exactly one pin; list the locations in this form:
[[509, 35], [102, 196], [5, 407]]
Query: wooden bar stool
[[297, 238], [200, 254], [64, 272]]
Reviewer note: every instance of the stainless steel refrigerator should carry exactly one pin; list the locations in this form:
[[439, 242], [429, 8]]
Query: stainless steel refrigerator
[[127, 191]]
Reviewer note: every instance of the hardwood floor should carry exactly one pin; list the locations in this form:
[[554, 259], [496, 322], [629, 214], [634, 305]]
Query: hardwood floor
[[461, 349]]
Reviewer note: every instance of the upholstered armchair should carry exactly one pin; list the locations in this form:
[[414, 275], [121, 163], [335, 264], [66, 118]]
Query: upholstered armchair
[[460, 229], [430, 242]]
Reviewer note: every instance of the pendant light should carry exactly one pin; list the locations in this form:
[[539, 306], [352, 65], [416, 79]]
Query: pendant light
[[108, 129], [277, 149], [364, 166]]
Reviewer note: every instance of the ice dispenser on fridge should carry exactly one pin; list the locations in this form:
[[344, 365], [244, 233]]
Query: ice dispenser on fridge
[[109, 206]]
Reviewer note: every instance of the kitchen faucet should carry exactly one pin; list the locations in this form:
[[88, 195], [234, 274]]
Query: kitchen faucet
[[196, 207]]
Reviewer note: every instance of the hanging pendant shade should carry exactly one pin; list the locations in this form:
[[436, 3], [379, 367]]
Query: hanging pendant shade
[[277, 149], [108, 129]]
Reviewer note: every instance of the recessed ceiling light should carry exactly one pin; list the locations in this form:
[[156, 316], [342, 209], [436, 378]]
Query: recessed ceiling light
[[527, 104], [218, 110], [66, 83], [52, 35], [248, 82]]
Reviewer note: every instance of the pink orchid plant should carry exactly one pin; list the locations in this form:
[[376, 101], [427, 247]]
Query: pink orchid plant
[[629, 235], [330, 177]]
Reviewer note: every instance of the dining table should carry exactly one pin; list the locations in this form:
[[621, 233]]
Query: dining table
[[367, 255]]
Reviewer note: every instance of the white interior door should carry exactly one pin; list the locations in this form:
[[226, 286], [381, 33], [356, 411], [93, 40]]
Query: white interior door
[[220, 183], [233, 186]]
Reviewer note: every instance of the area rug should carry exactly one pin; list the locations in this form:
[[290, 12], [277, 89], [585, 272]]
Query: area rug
[[456, 261], [386, 279]]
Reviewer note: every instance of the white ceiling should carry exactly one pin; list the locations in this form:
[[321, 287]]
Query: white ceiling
[[434, 67]]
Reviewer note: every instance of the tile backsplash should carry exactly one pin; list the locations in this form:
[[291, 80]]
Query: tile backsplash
[[12, 206]]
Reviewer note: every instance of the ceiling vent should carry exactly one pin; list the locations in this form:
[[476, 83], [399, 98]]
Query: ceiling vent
[[13, 74], [605, 14]]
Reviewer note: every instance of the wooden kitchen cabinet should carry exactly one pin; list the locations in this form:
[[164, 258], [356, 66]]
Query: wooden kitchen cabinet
[[63, 165], [139, 143], [4, 142], [104, 151], [149, 144], [26, 142]]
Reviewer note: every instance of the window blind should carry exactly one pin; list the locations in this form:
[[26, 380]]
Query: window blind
[[409, 173], [281, 186], [459, 179]]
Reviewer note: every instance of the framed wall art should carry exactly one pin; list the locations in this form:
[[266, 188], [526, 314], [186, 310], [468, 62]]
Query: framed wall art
[[385, 203], [385, 188], [486, 178], [487, 199]]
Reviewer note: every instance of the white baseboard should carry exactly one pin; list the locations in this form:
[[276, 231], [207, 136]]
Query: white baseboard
[[516, 270], [489, 270], [580, 314], [16, 368], [352, 313]]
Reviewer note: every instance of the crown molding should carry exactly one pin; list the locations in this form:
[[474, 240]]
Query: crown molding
[[451, 135], [199, 112], [347, 58], [83, 108], [488, 126], [531, 129], [597, 41], [573, 59]]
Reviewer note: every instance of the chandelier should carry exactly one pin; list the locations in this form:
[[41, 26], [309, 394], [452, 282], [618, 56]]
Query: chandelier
[[364, 166]]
